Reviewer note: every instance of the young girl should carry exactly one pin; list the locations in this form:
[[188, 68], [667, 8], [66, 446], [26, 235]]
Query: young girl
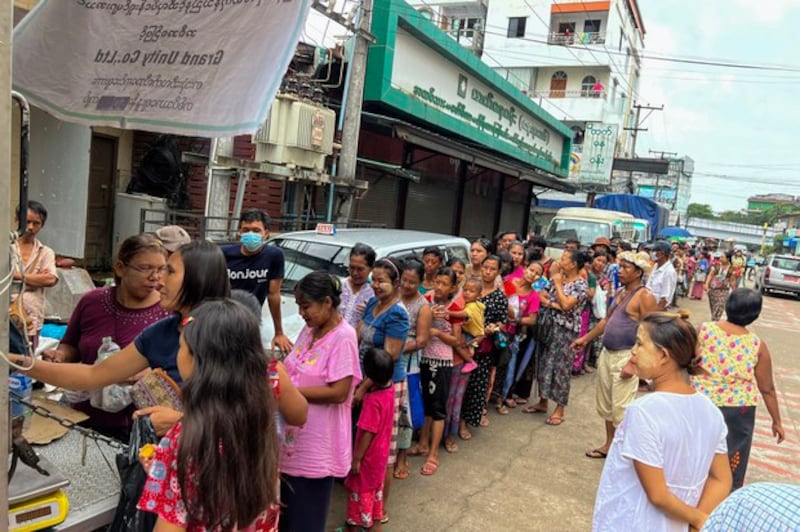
[[436, 367], [371, 454], [668, 465], [205, 475]]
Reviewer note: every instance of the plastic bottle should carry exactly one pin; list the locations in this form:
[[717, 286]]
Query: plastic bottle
[[114, 397], [21, 385]]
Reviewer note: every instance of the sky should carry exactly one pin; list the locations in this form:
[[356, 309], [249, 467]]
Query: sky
[[737, 124]]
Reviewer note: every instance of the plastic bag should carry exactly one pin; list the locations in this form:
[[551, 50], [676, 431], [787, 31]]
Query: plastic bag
[[127, 517], [112, 398], [599, 307]]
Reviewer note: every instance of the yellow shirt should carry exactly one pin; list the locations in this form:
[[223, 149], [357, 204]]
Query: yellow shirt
[[475, 323], [730, 360]]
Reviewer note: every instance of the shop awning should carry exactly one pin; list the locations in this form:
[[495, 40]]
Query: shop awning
[[460, 150], [439, 143]]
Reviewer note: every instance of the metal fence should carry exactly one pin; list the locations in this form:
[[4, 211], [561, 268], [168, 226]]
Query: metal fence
[[225, 229]]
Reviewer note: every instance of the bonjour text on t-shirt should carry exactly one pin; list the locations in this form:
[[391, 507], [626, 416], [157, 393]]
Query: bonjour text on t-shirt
[[254, 272]]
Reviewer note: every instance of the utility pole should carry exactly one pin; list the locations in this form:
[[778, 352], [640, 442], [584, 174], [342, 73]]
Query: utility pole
[[5, 220], [348, 157], [637, 128]]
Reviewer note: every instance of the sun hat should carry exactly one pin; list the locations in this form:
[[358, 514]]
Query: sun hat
[[173, 237], [641, 260]]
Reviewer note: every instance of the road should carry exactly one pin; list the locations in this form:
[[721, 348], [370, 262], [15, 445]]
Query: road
[[520, 474]]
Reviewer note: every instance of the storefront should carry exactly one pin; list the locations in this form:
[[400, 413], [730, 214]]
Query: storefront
[[450, 143]]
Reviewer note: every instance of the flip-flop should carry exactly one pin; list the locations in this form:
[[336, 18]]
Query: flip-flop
[[554, 421], [596, 454], [384, 519], [450, 446], [502, 410], [534, 409], [465, 435], [417, 451], [520, 400], [401, 474], [429, 468]]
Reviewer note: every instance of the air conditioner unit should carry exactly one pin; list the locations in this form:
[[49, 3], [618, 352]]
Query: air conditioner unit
[[297, 132]]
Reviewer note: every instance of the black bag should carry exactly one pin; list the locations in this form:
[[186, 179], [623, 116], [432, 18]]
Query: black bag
[[127, 517]]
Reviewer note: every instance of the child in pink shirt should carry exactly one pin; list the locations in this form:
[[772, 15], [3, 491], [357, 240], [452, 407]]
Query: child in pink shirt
[[371, 452]]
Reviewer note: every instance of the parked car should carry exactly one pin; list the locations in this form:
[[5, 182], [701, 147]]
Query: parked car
[[308, 251], [779, 272]]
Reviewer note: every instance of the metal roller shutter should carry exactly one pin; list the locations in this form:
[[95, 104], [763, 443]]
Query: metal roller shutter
[[480, 195], [431, 204], [515, 199], [379, 204]]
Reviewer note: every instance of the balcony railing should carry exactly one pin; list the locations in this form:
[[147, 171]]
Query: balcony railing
[[580, 38], [583, 93]]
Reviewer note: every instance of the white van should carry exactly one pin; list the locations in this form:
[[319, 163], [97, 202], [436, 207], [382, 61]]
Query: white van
[[585, 225]]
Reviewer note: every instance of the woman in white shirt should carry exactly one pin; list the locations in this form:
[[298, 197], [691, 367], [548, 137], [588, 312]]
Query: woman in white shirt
[[668, 465]]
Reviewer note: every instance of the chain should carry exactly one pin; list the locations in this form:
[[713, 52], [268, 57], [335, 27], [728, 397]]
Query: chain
[[69, 424]]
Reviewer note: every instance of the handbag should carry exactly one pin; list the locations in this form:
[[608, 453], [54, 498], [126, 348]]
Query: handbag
[[415, 406], [127, 518], [156, 389]]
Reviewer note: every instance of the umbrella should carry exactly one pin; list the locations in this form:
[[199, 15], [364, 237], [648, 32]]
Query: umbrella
[[668, 232]]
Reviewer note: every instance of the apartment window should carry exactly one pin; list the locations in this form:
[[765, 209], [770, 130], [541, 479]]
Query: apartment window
[[566, 28], [591, 26], [516, 26], [587, 85], [465, 27]]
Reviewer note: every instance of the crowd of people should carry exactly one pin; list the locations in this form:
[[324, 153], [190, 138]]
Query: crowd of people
[[403, 359]]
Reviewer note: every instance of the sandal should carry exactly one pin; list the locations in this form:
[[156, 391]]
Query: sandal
[[502, 410], [596, 453], [534, 409], [384, 519], [429, 468], [465, 435], [554, 421], [510, 403], [401, 473], [484, 420], [450, 446], [417, 451], [520, 400]]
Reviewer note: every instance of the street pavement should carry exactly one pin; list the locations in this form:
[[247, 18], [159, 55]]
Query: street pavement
[[520, 474]]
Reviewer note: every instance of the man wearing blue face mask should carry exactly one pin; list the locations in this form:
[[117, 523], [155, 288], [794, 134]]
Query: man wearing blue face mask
[[664, 279], [257, 268]]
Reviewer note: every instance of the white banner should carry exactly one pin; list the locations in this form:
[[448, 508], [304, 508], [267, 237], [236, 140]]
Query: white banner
[[205, 68]]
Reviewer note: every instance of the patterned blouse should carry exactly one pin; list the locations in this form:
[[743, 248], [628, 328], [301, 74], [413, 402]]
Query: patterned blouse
[[571, 319], [730, 360], [496, 307]]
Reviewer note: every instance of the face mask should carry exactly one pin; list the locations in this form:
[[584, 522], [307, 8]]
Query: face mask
[[251, 241]]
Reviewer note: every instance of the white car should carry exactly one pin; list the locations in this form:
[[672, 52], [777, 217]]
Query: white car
[[308, 251]]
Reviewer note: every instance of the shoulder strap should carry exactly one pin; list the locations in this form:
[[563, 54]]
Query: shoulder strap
[[618, 303]]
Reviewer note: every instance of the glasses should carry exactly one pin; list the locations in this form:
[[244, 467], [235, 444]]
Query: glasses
[[147, 270]]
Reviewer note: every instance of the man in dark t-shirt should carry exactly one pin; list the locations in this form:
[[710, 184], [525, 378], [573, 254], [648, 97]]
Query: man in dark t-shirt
[[257, 268]]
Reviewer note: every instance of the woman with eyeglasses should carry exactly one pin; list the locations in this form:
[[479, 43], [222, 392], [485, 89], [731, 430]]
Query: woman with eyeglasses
[[121, 312], [195, 272]]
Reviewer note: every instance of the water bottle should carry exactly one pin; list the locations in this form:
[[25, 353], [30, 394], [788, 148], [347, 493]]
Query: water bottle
[[106, 349], [22, 386]]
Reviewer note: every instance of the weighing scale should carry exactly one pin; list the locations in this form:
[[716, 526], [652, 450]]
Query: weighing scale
[[36, 501]]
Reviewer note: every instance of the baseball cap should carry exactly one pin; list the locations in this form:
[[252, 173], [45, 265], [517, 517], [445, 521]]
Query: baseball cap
[[173, 237], [662, 246]]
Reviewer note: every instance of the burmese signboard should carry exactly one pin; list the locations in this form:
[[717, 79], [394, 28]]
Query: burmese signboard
[[591, 161], [420, 71]]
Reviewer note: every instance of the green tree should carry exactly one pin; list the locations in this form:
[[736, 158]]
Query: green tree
[[699, 210]]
